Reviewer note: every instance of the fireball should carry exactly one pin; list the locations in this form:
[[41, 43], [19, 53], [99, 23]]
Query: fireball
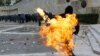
[[59, 34]]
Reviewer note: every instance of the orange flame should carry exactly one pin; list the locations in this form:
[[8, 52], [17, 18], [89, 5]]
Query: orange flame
[[59, 34]]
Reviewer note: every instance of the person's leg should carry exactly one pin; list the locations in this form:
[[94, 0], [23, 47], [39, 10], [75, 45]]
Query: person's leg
[[73, 53]]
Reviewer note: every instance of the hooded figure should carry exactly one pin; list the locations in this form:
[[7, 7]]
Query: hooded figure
[[69, 10]]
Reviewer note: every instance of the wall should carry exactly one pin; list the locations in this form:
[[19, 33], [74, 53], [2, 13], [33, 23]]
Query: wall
[[93, 3], [29, 6]]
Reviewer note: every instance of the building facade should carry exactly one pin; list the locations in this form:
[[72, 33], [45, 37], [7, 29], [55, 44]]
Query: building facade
[[29, 6], [54, 6]]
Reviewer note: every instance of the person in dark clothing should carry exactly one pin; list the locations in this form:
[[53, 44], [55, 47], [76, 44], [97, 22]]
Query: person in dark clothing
[[69, 10]]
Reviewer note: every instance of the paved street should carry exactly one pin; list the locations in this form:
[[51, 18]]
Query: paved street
[[23, 40]]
